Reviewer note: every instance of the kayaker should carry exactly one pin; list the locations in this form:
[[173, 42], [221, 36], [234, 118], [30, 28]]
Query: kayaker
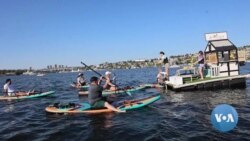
[[9, 90], [80, 81], [95, 95], [163, 61], [108, 84], [201, 63]]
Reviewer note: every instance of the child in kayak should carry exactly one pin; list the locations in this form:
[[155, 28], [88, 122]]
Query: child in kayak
[[95, 95], [9, 90], [109, 85], [80, 81]]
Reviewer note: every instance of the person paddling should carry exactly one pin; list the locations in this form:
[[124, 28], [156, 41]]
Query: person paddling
[[9, 90], [95, 98], [80, 81], [108, 84]]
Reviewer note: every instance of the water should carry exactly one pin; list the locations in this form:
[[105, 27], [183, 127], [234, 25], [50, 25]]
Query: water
[[176, 116]]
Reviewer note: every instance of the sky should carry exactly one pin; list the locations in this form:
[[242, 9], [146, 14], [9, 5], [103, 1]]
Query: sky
[[38, 33]]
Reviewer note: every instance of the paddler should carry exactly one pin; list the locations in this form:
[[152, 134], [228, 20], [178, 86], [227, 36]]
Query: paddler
[[108, 84], [95, 95], [9, 90], [163, 61], [80, 81]]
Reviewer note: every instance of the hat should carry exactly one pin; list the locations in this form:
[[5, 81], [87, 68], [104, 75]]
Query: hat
[[162, 53], [107, 73], [80, 74]]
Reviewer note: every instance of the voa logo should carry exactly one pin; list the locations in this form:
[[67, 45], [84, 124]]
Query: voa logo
[[224, 118]]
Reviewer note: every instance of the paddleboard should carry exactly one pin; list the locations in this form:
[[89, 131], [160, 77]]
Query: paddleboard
[[86, 108], [28, 96]]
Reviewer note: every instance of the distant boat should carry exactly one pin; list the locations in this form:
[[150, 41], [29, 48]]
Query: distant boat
[[10, 74], [63, 71], [75, 70], [28, 73], [40, 74]]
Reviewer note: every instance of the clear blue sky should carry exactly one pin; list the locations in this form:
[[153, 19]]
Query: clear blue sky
[[38, 33]]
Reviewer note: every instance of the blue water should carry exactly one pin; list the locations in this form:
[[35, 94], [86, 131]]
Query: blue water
[[176, 116]]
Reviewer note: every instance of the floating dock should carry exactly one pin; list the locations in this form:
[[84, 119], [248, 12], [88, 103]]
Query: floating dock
[[222, 67], [233, 82]]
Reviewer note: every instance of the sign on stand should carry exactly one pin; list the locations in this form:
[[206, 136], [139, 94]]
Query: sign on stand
[[216, 36]]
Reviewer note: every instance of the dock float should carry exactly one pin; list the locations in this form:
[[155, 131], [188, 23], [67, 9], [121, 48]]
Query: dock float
[[234, 82]]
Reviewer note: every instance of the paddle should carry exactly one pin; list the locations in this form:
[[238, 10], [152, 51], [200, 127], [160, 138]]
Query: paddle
[[105, 78]]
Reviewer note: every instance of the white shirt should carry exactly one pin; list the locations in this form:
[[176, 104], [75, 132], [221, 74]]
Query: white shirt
[[80, 80], [9, 88], [161, 58]]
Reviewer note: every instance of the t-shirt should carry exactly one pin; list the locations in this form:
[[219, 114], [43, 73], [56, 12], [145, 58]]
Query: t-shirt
[[163, 59], [9, 88], [95, 94], [5, 87], [200, 59], [80, 80]]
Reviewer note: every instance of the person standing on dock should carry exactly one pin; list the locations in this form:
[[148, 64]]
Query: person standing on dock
[[201, 63], [163, 61]]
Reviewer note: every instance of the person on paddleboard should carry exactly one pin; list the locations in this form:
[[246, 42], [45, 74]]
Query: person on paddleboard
[[80, 81], [95, 98], [108, 84], [9, 90], [163, 61]]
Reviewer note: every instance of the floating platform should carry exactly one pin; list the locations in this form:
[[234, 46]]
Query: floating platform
[[234, 82]]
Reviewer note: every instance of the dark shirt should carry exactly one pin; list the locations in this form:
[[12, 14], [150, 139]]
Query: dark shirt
[[200, 59], [95, 94]]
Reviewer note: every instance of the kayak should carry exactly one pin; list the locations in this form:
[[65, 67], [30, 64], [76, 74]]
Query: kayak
[[86, 108], [107, 92], [28, 96], [81, 87]]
